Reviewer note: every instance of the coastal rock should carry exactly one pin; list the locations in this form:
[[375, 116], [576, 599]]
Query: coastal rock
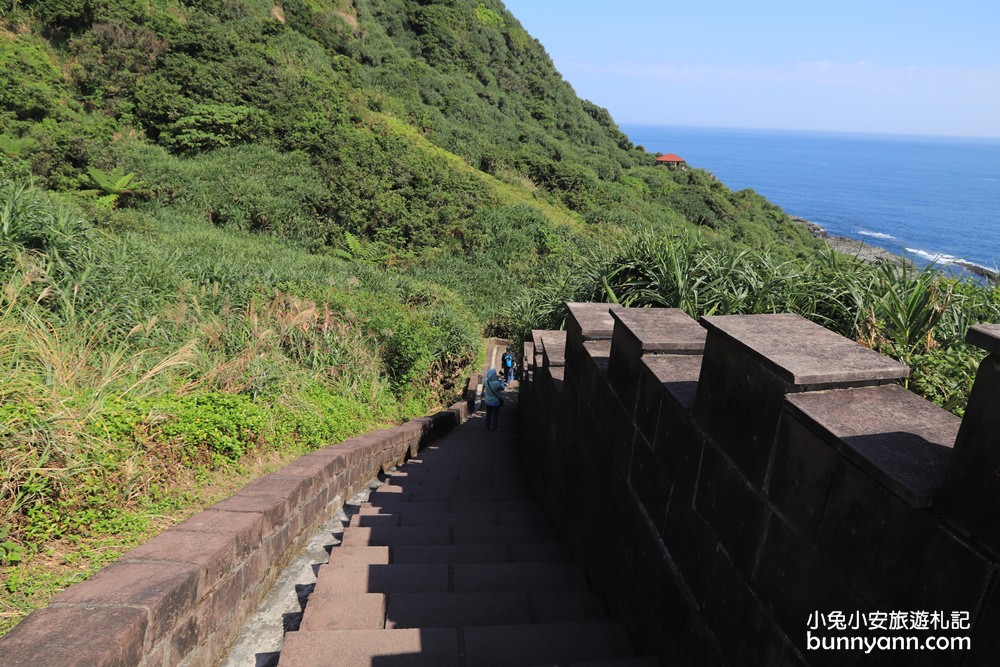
[[853, 247]]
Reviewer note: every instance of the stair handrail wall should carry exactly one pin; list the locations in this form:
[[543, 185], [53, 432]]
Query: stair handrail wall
[[732, 482]]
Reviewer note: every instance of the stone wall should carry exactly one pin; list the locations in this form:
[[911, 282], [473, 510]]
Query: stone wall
[[184, 597], [725, 481]]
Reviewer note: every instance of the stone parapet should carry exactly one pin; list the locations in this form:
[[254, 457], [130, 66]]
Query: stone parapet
[[749, 471]]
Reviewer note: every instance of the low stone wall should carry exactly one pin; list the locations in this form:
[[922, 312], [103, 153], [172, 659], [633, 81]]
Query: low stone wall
[[734, 483], [183, 597]]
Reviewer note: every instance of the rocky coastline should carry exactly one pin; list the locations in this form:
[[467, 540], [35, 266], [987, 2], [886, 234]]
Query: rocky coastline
[[870, 253]]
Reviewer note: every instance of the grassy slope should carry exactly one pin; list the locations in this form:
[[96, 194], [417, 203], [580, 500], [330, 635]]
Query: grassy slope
[[278, 225]]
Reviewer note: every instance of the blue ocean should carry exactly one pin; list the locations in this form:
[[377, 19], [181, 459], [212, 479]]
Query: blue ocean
[[930, 198]]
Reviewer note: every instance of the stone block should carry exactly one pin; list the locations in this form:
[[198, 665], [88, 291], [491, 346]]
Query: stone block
[[586, 322], [985, 638], [291, 489], [649, 394], [804, 469], [752, 361], [275, 510], [693, 546], [167, 591], [78, 636], [793, 581], [214, 554], [648, 331], [743, 628], [594, 370], [898, 438], [732, 508], [553, 348], [972, 486], [651, 482], [620, 437], [893, 555], [245, 528]]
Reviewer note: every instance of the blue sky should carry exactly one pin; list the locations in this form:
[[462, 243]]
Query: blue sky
[[885, 66]]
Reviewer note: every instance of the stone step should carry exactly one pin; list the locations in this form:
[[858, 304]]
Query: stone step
[[428, 535], [392, 578], [613, 662], [491, 577], [427, 475], [448, 610], [507, 534], [447, 496], [449, 519], [483, 646], [431, 647], [538, 552], [450, 554], [443, 610], [443, 578], [387, 505], [368, 555], [344, 611], [396, 535], [546, 643], [453, 486]]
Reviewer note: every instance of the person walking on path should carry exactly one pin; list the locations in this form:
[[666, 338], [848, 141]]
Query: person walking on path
[[508, 367], [491, 398]]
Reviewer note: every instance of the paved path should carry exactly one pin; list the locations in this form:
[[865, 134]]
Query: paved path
[[452, 562]]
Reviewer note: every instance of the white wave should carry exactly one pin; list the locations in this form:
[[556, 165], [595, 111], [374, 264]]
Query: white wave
[[939, 258], [876, 235]]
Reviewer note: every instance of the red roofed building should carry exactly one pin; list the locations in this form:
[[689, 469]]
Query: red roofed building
[[670, 160]]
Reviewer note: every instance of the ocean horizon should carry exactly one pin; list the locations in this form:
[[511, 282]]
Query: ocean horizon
[[930, 198]]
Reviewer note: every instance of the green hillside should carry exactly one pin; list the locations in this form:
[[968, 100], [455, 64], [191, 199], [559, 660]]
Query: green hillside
[[232, 231]]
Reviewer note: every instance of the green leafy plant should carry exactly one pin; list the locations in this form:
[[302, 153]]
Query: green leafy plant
[[111, 187]]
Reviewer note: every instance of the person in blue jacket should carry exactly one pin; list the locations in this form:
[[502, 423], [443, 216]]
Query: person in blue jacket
[[508, 367], [492, 388]]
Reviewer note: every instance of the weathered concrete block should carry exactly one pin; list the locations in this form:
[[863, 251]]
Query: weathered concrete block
[[245, 528], [649, 394], [693, 546], [898, 438], [213, 553], [588, 321], [894, 556], [752, 361], [969, 498], [621, 436], [652, 483], [77, 637], [676, 442], [167, 591], [648, 331], [732, 508], [985, 638], [553, 344], [744, 629], [792, 581], [804, 468]]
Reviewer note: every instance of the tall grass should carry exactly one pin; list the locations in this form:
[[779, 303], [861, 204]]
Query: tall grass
[[918, 316], [133, 363]]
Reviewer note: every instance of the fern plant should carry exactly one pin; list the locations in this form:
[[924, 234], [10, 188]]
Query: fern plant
[[111, 186]]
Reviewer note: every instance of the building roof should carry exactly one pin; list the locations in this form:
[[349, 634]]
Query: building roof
[[669, 157]]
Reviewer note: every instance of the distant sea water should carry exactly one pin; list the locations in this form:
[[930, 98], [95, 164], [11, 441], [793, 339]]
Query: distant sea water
[[932, 198]]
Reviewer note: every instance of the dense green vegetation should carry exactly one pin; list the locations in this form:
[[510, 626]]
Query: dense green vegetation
[[235, 230]]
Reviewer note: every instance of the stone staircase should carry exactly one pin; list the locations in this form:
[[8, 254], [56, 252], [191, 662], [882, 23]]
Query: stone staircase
[[452, 562]]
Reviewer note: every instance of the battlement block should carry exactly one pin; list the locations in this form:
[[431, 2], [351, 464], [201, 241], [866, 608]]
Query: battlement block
[[969, 498], [648, 331], [752, 361]]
